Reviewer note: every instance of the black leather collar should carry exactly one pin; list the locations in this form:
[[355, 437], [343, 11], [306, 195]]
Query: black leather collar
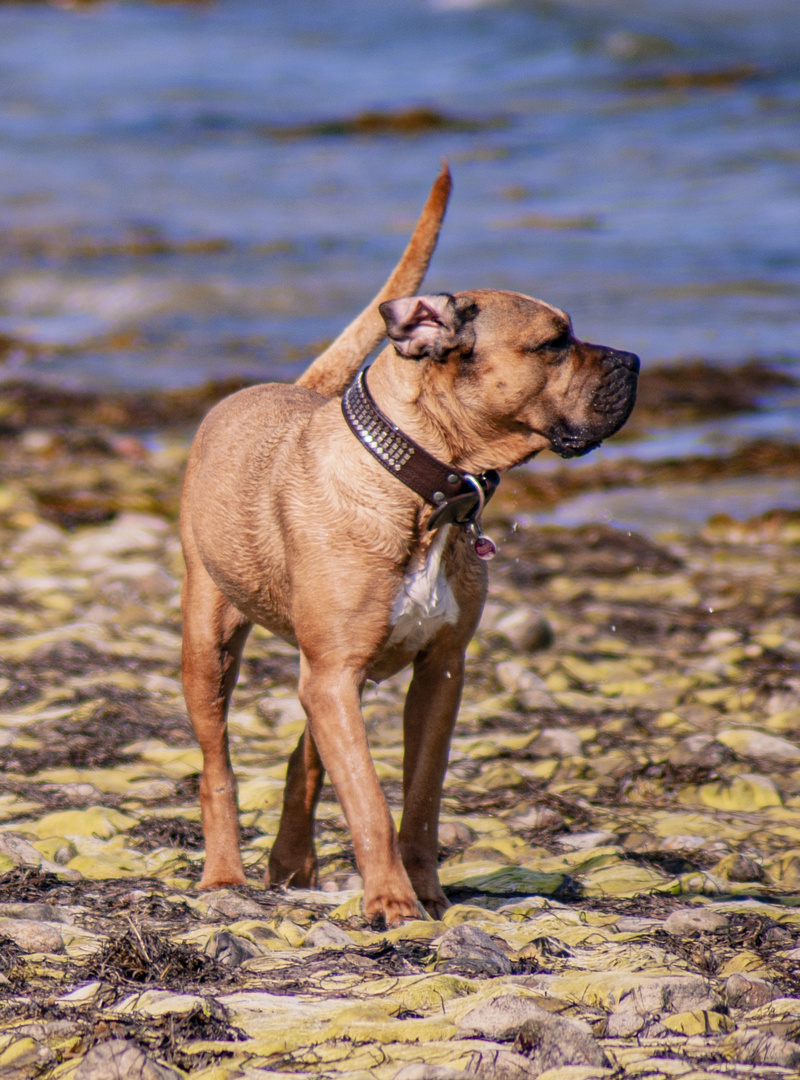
[[459, 497]]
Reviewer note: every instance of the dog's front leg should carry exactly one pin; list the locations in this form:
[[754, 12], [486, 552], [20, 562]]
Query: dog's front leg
[[330, 691], [430, 715]]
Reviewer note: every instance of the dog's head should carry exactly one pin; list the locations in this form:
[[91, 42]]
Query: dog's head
[[509, 373]]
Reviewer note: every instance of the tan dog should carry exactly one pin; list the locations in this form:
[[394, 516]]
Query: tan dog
[[291, 522]]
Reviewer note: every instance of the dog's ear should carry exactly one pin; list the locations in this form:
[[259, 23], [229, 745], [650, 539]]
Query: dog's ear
[[434, 325], [416, 322]]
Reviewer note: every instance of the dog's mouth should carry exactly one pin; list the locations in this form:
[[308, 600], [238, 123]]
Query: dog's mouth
[[568, 443]]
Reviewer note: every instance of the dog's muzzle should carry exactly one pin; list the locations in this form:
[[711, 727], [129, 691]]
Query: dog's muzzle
[[611, 404]]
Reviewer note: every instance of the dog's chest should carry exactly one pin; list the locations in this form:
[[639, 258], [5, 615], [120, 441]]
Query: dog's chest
[[425, 601]]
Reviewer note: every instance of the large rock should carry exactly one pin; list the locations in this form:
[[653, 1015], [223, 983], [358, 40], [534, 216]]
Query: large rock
[[759, 747], [327, 935], [753, 1047], [670, 994], [550, 1042], [694, 920], [748, 992], [468, 950], [121, 1059], [32, 936]]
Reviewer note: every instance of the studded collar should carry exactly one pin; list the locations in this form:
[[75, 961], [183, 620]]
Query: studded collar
[[459, 497]]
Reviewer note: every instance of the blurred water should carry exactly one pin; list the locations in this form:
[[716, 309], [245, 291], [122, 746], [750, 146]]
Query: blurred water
[[678, 200]]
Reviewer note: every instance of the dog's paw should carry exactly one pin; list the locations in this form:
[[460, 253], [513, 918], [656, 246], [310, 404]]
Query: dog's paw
[[435, 906], [293, 876], [221, 879], [391, 911]]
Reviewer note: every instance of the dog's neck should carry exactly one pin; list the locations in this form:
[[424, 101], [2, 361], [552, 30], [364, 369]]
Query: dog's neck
[[399, 389]]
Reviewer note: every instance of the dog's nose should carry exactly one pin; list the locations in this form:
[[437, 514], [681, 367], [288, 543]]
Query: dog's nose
[[615, 358], [629, 360]]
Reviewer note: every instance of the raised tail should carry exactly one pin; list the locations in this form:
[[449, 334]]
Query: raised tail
[[333, 369]]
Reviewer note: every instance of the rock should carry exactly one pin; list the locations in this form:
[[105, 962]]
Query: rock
[[131, 580], [121, 1059], [624, 1025], [550, 1042], [670, 994], [422, 1071], [500, 1018], [24, 1058], [467, 949], [452, 833], [327, 935], [695, 920], [760, 747], [497, 1063], [546, 1039], [700, 749], [127, 534], [40, 537], [738, 867], [698, 1022], [539, 818], [584, 841], [555, 742], [24, 853], [37, 912], [753, 1047], [31, 936], [525, 629], [748, 992], [227, 905], [228, 948]]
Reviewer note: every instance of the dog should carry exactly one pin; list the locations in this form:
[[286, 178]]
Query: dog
[[350, 527]]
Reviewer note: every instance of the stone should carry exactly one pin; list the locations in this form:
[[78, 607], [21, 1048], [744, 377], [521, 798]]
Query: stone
[[452, 833], [467, 949], [748, 991], [695, 920], [37, 912], [423, 1071], [24, 853], [227, 905], [327, 935], [738, 867], [500, 1018], [550, 1041], [584, 841], [752, 1047], [525, 629], [32, 936], [228, 948], [700, 749], [24, 1058], [121, 1059], [624, 1024], [539, 817], [759, 747], [670, 994], [555, 742]]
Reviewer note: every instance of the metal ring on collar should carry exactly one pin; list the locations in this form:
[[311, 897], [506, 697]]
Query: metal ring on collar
[[476, 513]]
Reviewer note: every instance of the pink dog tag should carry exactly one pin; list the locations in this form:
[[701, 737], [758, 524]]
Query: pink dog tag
[[485, 548]]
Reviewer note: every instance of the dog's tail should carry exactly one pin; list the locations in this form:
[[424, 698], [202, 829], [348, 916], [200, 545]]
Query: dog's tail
[[333, 369]]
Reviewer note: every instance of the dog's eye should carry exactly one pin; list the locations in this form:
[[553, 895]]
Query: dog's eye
[[561, 341]]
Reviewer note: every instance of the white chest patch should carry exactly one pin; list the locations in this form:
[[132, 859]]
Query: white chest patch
[[425, 601]]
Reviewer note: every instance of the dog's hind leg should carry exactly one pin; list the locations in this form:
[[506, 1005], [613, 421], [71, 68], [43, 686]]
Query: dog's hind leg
[[293, 860], [333, 369], [214, 633]]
